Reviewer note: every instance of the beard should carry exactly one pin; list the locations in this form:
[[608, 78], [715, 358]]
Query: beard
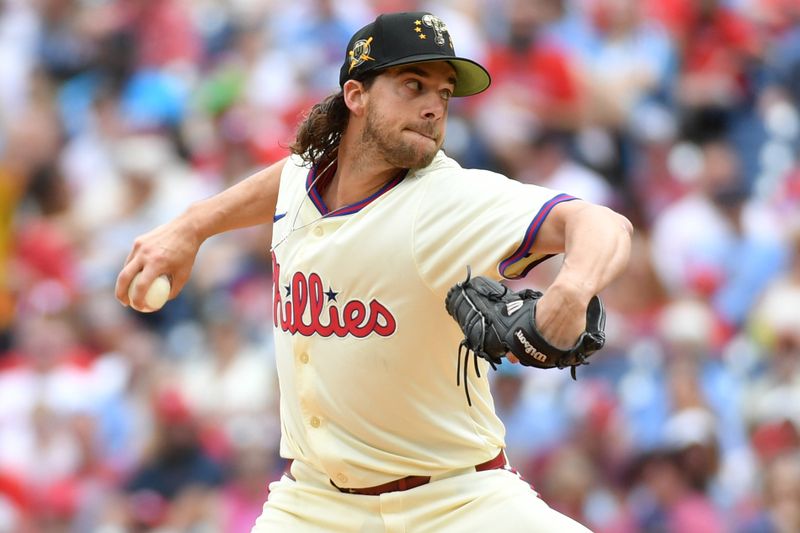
[[393, 147]]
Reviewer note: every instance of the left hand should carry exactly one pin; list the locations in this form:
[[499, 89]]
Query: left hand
[[560, 316]]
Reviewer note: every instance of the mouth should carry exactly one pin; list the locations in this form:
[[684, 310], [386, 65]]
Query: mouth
[[430, 137]]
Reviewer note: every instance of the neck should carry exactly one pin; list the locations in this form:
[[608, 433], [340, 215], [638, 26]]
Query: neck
[[359, 173]]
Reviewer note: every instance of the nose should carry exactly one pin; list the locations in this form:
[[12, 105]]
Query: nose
[[434, 107]]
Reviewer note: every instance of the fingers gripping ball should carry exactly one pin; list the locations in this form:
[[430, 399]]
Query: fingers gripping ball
[[156, 296]]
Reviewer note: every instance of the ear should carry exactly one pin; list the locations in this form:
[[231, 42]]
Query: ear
[[355, 96]]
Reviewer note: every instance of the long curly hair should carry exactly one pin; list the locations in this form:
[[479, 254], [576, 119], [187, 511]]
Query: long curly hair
[[320, 132]]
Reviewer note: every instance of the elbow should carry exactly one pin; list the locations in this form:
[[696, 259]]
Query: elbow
[[622, 230], [625, 238], [612, 218], [625, 233], [626, 225]]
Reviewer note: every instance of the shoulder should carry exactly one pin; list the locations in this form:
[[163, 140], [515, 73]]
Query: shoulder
[[445, 176], [292, 170], [445, 173], [294, 163]]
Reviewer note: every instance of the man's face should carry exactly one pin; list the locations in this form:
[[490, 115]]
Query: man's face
[[407, 111]]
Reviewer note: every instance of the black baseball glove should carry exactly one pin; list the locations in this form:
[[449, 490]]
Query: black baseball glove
[[496, 320]]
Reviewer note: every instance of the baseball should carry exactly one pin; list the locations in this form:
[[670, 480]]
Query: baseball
[[156, 296]]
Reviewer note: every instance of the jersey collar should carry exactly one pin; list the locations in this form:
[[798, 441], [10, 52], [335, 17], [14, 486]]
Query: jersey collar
[[313, 182]]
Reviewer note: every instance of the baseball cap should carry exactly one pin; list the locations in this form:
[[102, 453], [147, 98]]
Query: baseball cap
[[395, 39]]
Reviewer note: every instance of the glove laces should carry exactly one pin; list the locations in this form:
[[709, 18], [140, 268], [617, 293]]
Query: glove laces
[[463, 347]]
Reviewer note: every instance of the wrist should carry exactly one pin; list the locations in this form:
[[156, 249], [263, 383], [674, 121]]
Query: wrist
[[572, 290], [196, 224]]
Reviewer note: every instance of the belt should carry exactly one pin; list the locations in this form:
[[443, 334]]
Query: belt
[[409, 482]]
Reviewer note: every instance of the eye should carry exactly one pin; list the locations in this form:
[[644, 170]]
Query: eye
[[446, 94], [414, 85]]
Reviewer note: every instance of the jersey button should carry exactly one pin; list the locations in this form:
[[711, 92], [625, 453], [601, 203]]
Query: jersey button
[[318, 231], [315, 422], [341, 478], [304, 358]]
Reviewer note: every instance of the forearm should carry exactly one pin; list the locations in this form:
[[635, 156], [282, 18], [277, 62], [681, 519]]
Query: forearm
[[596, 250], [596, 243], [250, 202], [171, 249]]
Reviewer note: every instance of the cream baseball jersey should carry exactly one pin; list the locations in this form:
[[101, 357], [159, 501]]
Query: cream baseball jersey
[[365, 349]]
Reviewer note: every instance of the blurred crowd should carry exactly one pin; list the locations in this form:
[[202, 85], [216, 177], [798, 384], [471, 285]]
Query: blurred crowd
[[682, 114]]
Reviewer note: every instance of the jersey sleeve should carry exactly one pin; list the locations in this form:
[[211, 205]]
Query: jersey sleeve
[[482, 220]]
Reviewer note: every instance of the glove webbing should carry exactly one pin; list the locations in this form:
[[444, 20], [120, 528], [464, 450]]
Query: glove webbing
[[573, 371], [472, 318]]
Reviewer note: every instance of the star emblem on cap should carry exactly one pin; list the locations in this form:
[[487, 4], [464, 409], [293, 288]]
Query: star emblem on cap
[[422, 36]]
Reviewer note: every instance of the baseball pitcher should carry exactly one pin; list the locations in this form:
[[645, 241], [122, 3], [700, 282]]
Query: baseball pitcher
[[386, 259]]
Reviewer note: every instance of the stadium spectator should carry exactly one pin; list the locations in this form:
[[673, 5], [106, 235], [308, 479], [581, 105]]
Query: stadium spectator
[[681, 114]]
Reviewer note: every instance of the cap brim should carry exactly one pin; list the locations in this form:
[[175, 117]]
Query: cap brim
[[471, 77]]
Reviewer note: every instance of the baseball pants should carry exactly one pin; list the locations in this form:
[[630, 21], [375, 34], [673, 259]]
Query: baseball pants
[[463, 501]]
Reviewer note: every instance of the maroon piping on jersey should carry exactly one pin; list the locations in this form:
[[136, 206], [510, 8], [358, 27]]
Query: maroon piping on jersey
[[530, 237]]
